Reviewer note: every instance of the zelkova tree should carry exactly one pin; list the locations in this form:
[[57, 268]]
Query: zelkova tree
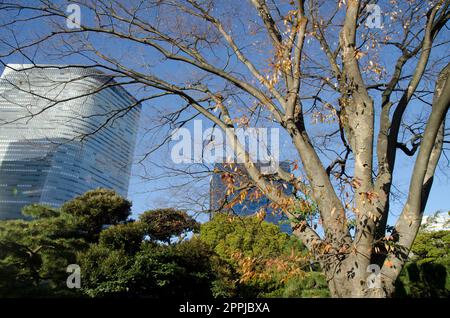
[[377, 86]]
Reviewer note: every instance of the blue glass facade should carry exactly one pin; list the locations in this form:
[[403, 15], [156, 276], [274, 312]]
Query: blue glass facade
[[249, 206], [63, 131]]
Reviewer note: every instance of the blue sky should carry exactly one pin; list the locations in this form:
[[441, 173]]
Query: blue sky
[[145, 194]]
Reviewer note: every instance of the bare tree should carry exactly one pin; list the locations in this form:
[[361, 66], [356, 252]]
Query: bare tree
[[290, 62]]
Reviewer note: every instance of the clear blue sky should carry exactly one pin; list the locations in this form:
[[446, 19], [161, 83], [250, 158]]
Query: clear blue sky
[[144, 193]]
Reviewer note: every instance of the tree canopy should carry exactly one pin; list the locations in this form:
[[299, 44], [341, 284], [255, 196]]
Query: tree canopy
[[96, 209], [164, 224], [427, 273], [230, 256], [264, 261]]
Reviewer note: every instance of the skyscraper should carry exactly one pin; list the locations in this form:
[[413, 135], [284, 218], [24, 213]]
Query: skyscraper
[[250, 205], [63, 131]]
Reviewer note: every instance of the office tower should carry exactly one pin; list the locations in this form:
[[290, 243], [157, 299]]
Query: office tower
[[250, 205], [63, 131]]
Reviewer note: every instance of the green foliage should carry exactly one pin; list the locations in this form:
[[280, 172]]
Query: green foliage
[[97, 208], [434, 246], [104, 271], [34, 254], [240, 257], [181, 270], [311, 285], [228, 234], [262, 261], [163, 224], [127, 237], [38, 211], [427, 272]]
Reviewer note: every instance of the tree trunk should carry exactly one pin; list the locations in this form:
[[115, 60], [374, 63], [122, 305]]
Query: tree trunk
[[346, 279]]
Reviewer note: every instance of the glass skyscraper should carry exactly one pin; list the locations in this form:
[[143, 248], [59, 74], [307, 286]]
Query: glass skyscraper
[[63, 131], [219, 198]]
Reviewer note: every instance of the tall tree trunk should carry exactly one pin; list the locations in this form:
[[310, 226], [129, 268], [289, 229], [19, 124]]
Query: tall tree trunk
[[344, 280]]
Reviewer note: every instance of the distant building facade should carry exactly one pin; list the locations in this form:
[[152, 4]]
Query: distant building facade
[[51, 151], [219, 198], [439, 221]]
